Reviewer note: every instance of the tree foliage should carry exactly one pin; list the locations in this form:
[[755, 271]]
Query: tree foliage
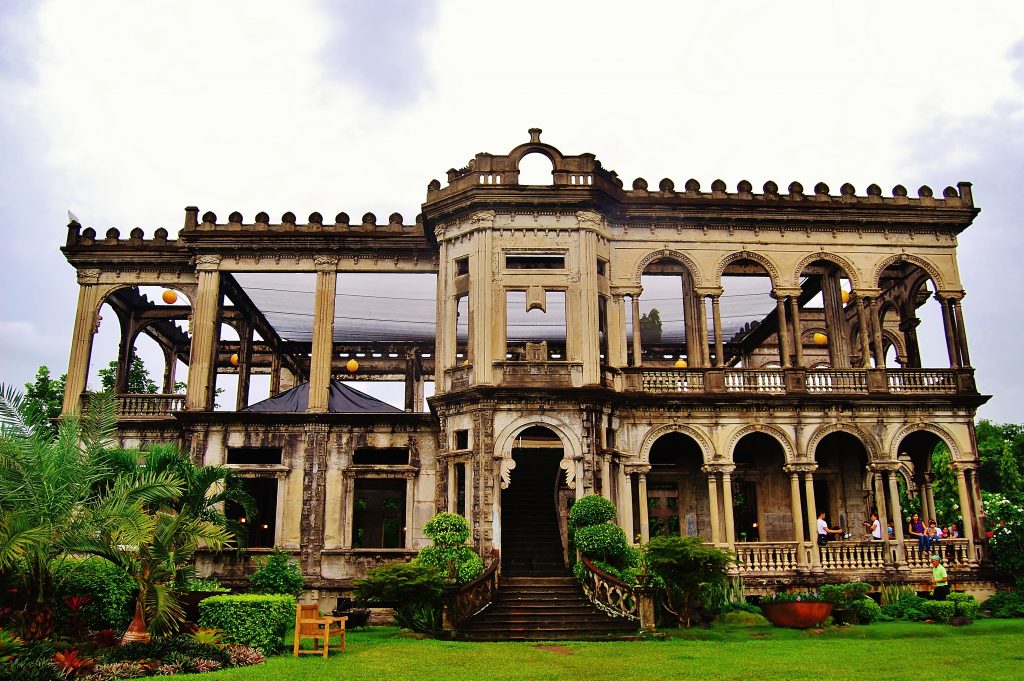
[[139, 381], [650, 326], [44, 399], [685, 563]]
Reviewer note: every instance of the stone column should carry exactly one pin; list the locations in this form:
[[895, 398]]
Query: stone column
[[616, 326], [876, 333], [323, 333], [606, 477], [87, 321], [835, 319], [961, 333], [125, 352], [716, 524], [716, 312], [453, 482], [897, 518], [780, 315], [314, 483], [947, 325], [883, 515], [170, 369], [645, 527], [205, 336], [798, 345], [702, 323], [862, 321], [967, 513], [637, 345], [797, 511], [626, 504], [909, 328], [244, 367], [812, 519], [730, 523]]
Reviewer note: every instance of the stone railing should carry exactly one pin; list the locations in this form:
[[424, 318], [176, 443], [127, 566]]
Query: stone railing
[[852, 555], [458, 378], [462, 602], [771, 381], [766, 557], [541, 374], [922, 381], [829, 381], [129, 405], [676, 380], [954, 552], [610, 594]]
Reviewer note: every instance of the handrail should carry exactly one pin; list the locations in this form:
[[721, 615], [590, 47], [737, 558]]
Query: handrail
[[610, 594], [466, 600]]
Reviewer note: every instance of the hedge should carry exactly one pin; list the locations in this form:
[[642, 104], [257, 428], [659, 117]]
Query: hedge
[[255, 620], [591, 510], [111, 589], [605, 543]]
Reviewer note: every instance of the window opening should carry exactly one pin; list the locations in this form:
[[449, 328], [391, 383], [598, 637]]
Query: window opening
[[378, 520]]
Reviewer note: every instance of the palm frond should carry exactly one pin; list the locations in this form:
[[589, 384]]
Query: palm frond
[[12, 412]]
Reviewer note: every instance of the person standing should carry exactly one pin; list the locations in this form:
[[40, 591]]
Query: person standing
[[824, 530], [940, 581], [874, 527]]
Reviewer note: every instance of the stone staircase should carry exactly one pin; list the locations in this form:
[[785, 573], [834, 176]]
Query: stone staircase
[[537, 598]]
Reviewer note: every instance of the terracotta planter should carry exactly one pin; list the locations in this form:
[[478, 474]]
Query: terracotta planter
[[797, 615]]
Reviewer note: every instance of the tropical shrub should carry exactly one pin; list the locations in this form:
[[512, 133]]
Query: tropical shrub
[[939, 611], [10, 644], [450, 555], [414, 589], [866, 610], [909, 607], [277, 574], [256, 620], [685, 563], [1005, 604], [606, 543], [179, 647], [110, 589], [966, 605], [720, 597], [591, 510], [843, 596], [447, 529], [207, 585], [1006, 533], [792, 597]]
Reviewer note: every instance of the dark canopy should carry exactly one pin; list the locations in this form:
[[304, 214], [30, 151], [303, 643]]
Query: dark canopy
[[343, 399]]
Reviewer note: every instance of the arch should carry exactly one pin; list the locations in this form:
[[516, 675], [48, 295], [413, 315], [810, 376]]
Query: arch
[[503, 441], [537, 172], [869, 443], [848, 269], [768, 265], [896, 340], [684, 260], [939, 431], [926, 265], [553, 154], [707, 450], [767, 429]]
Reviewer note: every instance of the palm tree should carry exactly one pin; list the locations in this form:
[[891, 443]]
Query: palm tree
[[52, 496]]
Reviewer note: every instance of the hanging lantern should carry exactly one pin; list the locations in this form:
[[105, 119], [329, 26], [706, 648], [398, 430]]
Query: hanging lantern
[[845, 295], [234, 360], [820, 339], [170, 297], [680, 363], [352, 366]]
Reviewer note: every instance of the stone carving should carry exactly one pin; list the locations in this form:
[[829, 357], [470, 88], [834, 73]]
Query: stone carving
[[505, 472], [569, 466]]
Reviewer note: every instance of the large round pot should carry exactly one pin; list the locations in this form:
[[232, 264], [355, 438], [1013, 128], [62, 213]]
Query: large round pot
[[797, 615]]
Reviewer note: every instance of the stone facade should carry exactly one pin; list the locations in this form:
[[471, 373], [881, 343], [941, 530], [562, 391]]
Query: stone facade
[[739, 435]]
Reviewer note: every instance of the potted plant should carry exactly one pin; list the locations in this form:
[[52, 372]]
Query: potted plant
[[797, 610]]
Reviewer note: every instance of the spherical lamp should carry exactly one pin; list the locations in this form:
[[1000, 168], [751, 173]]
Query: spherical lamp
[[170, 297], [845, 295], [820, 339], [680, 363], [234, 360], [352, 366]]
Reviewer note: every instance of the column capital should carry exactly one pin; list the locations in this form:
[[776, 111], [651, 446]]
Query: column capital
[[963, 466], [786, 292], [89, 276], [208, 262], [709, 291], [866, 293], [884, 466], [799, 468], [953, 295], [637, 468], [325, 263], [712, 468]]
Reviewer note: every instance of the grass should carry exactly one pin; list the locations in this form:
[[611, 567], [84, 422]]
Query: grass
[[987, 649]]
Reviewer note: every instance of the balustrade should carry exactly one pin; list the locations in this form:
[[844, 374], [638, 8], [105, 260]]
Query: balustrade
[[467, 600], [954, 552], [770, 381], [609, 594], [135, 405], [828, 381], [853, 555], [673, 380], [922, 381], [766, 557]]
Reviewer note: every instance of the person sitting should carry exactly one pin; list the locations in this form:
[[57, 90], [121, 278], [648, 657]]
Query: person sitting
[[891, 530], [916, 529], [824, 530], [939, 534], [873, 527], [952, 532]]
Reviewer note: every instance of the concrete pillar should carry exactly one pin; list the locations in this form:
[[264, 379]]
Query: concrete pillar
[[716, 312], [86, 323], [961, 333], [897, 518], [637, 346], [645, 526], [780, 315], [244, 367], [702, 326], [730, 523], [323, 334], [796, 509], [812, 519], [205, 336], [170, 369], [876, 333], [716, 524], [883, 514], [967, 514], [865, 343], [947, 325], [626, 504], [616, 332], [798, 344]]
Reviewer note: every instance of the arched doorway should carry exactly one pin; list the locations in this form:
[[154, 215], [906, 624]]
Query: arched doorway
[[839, 482], [677, 491], [760, 490], [531, 530]]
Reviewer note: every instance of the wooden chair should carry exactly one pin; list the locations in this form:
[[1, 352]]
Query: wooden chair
[[309, 623]]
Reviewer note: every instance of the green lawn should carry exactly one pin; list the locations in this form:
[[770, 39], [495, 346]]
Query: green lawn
[[987, 649]]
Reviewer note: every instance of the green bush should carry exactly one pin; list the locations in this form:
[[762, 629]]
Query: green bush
[[255, 620], [447, 529], [940, 611], [591, 510], [277, 575], [605, 543], [579, 571], [463, 559], [111, 589], [685, 563], [843, 596], [909, 607], [966, 605], [1005, 604], [208, 585], [415, 590], [866, 610], [181, 645]]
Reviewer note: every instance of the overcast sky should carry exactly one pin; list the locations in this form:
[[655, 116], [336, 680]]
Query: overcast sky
[[127, 111]]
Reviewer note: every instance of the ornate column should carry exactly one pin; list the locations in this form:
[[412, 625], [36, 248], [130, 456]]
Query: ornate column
[[947, 325], [314, 484], [897, 517], [796, 509], [203, 326], [909, 328], [876, 333], [967, 511], [87, 321], [716, 312], [862, 331], [716, 524], [637, 345], [878, 485], [961, 333], [780, 315], [626, 504], [730, 523], [702, 323], [323, 333], [812, 518], [794, 313], [645, 527]]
